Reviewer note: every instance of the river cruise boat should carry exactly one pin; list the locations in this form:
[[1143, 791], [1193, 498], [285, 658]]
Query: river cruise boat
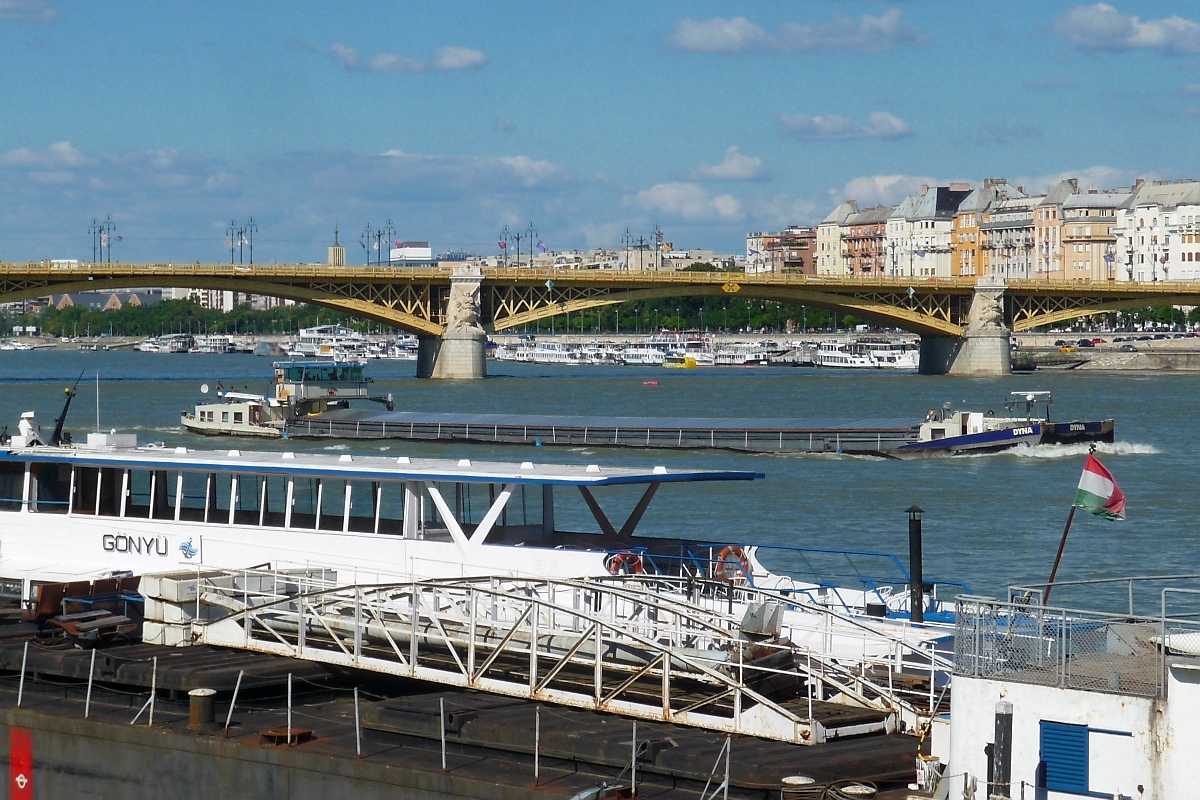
[[301, 389], [109, 506], [838, 355]]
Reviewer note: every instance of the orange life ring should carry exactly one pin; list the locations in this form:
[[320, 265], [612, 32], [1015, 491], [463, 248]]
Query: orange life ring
[[626, 562], [732, 565]]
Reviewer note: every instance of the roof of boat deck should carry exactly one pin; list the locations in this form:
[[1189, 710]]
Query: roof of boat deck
[[791, 424], [352, 466]]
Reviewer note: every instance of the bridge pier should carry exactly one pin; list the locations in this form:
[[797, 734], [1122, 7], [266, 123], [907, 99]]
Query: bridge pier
[[460, 352], [984, 348]]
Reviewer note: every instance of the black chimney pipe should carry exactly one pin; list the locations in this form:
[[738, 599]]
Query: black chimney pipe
[[916, 576]]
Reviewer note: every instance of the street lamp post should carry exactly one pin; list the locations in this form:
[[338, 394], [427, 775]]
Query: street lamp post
[[106, 238], [94, 230], [231, 234], [532, 235], [504, 237], [251, 229], [365, 241]]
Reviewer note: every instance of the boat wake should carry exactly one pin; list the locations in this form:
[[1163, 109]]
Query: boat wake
[[1081, 449]]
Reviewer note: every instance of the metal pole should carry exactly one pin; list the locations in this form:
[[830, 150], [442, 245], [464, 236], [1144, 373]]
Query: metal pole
[[233, 701], [1002, 751], [21, 685], [537, 744], [289, 711], [633, 764], [1058, 557], [916, 580], [153, 690], [442, 730], [357, 726], [87, 704], [728, 752]]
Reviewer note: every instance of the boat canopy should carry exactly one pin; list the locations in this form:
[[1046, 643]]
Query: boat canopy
[[352, 467], [317, 371]]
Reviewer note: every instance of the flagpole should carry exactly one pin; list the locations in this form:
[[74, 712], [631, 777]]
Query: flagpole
[[1062, 544], [1058, 557]]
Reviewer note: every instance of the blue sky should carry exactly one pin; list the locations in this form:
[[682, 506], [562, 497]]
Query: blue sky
[[453, 119]]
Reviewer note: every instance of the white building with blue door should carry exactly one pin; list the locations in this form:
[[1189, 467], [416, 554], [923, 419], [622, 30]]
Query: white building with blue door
[[1099, 706]]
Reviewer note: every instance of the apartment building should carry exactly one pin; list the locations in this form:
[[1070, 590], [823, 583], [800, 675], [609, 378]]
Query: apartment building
[[829, 240], [1089, 239]]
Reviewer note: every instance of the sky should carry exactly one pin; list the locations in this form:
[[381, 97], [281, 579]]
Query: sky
[[453, 119]]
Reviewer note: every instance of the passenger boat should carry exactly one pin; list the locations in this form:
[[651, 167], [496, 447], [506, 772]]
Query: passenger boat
[[837, 355], [105, 506], [302, 388]]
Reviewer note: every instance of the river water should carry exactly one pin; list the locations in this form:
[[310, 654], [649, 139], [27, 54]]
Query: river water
[[990, 521]]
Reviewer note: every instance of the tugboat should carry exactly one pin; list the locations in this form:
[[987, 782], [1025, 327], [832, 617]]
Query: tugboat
[[302, 388], [946, 432]]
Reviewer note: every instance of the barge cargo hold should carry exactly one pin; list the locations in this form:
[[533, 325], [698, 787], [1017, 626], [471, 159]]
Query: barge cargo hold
[[752, 434]]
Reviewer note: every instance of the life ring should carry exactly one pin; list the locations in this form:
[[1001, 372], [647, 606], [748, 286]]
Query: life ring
[[732, 565], [626, 562], [333, 392]]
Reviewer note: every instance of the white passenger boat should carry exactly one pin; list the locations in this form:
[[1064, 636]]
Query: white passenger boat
[[302, 388], [839, 356]]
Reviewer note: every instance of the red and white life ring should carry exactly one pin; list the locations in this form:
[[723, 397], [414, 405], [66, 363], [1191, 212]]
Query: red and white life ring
[[626, 562], [732, 565]]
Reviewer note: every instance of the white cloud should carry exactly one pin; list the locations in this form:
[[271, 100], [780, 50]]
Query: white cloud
[[882, 189], [456, 58], [27, 11], [443, 59], [347, 55], [879, 125], [504, 126], [59, 155], [1102, 27], [688, 202], [1096, 177], [735, 167], [867, 34], [1190, 88], [717, 35], [390, 62]]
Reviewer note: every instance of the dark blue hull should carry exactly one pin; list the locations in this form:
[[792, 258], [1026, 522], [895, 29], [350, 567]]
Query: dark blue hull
[[1076, 432], [988, 442]]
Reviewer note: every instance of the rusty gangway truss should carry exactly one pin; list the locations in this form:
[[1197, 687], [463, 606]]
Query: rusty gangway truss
[[652, 648]]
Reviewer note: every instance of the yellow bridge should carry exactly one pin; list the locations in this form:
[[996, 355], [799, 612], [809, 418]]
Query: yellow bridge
[[417, 299]]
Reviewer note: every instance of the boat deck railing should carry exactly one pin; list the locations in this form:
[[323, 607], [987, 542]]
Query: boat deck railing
[[1026, 641]]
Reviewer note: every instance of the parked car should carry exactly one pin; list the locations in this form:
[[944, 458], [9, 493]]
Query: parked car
[[1160, 336], [1098, 341], [1128, 348], [1067, 349], [1060, 343], [1144, 338]]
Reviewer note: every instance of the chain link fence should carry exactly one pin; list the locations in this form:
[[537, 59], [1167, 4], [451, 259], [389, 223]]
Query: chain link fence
[[1024, 643]]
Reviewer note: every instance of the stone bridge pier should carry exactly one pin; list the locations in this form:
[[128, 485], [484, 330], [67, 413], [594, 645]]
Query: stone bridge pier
[[984, 348], [460, 352]]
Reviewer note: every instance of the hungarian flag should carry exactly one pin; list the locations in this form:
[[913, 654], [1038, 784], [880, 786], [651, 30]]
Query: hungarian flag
[[1098, 493]]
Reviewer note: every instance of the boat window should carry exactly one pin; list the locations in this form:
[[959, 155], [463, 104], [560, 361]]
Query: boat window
[[137, 503], [86, 483], [275, 504], [166, 486], [391, 509], [110, 491], [10, 591], [362, 506], [12, 485], [218, 506], [304, 502], [249, 499], [333, 504], [53, 488], [195, 485], [224, 416]]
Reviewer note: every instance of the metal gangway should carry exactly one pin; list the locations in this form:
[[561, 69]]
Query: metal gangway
[[714, 656]]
